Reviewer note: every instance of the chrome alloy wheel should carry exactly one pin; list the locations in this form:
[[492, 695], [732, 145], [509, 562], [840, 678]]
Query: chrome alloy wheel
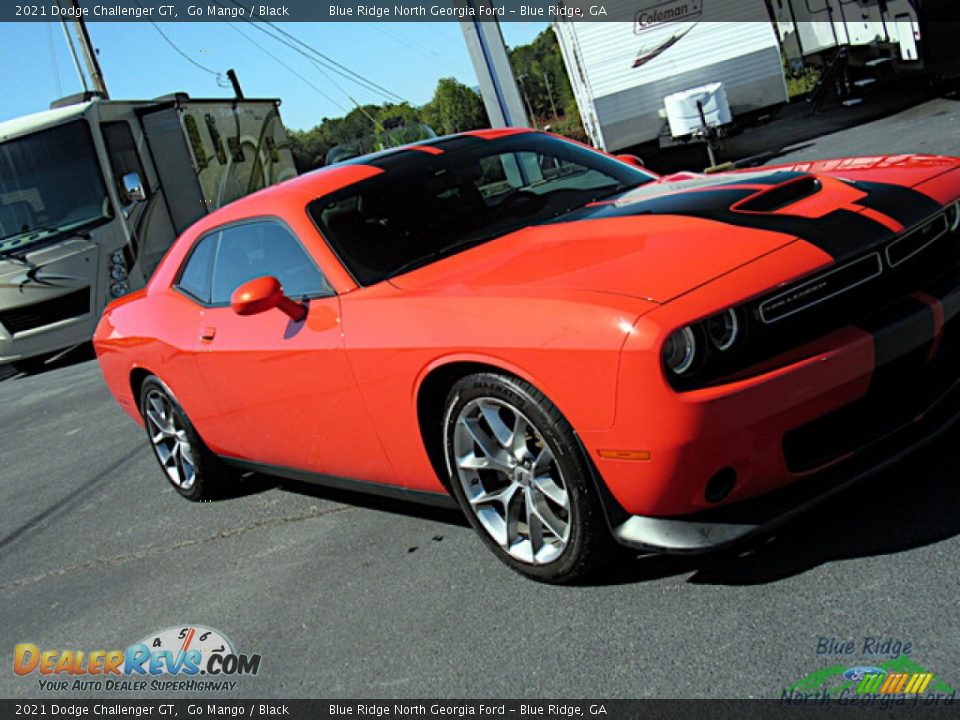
[[512, 481], [169, 440]]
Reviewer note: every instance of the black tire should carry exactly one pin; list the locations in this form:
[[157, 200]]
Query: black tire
[[211, 477], [588, 545]]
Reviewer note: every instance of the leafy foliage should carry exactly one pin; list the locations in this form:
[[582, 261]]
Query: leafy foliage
[[542, 79]]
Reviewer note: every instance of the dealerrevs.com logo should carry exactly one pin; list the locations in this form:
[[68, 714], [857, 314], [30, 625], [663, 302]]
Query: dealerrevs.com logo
[[188, 657]]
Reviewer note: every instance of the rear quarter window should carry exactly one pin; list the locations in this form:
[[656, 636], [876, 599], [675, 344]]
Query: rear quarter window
[[195, 276]]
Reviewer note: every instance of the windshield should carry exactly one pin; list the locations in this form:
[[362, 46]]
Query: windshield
[[50, 182], [427, 206]]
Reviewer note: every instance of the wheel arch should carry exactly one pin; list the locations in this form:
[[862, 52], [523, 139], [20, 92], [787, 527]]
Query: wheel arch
[[138, 376], [432, 390]]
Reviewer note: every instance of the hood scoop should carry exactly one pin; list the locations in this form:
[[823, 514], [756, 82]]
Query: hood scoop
[[769, 200]]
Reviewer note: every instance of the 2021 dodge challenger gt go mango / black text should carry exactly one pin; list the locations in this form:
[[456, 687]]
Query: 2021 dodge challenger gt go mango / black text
[[578, 351]]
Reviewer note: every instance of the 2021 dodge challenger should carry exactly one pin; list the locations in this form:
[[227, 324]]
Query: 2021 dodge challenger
[[575, 349]]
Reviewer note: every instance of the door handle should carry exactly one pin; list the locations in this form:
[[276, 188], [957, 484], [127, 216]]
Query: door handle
[[208, 333]]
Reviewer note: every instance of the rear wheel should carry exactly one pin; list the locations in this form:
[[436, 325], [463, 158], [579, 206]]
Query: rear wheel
[[193, 470], [518, 473]]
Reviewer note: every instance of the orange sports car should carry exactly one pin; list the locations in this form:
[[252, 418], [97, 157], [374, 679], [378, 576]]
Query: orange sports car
[[581, 353]]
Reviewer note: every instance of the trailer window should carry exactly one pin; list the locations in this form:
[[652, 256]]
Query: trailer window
[[50, 183], [122, 151]]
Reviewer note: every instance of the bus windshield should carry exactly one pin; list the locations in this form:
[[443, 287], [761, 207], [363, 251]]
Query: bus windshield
[[50, 183]]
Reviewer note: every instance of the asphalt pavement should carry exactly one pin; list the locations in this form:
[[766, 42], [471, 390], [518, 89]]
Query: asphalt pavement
[[347, 596]]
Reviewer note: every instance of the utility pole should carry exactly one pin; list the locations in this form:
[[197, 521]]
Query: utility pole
[[546, 80], [489, 55], [89, 54], [523, 91]]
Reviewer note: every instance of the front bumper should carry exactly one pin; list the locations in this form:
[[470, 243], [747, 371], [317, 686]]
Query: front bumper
[[836, 411], [720, 528]]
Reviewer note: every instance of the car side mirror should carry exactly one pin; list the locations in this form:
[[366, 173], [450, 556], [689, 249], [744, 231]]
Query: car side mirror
[[133, 187], [265, 293], [630, 160]]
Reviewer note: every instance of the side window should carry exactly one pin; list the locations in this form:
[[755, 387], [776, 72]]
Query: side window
[[260, 248], [122, 151], [195, 278]]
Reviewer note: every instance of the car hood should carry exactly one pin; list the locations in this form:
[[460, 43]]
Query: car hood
[[669, 237]]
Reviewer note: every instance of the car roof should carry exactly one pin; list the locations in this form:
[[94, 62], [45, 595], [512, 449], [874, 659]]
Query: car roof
[[323, 181]]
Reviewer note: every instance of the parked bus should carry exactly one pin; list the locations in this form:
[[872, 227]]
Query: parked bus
[[92, 193]]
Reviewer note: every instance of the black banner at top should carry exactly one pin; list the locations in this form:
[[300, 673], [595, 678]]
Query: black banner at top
[[644, 13]]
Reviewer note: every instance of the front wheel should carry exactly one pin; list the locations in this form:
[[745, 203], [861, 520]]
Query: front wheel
[[518, 473]]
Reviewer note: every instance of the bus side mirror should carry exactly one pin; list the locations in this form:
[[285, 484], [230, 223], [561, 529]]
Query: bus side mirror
[[133, 187]]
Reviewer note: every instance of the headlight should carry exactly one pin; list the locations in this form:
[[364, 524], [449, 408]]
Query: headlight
[[117, 258], [680, 351], [723, 329], [119, 289], [953, 216], [118, 272]]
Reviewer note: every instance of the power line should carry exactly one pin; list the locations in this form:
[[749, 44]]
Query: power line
[[320, 68], [359, 78], [290, 69], [429, 54], [371, 118], [53, 59], [182, 54], [339, 68]]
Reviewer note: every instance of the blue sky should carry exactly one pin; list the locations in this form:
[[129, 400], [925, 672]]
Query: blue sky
[[405, 58]]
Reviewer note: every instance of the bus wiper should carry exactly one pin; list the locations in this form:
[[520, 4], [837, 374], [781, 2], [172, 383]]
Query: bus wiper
[[52, 232], [12, 254]]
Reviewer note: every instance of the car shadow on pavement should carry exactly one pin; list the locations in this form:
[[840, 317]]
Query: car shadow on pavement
[[449, 516], [914, 504]]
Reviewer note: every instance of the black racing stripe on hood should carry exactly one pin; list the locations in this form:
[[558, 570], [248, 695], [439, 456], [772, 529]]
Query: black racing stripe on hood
[[843, 234], [905, 205]]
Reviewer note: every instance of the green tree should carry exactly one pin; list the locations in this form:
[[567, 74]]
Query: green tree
[[542, 78], [545, 87], [454, 108]]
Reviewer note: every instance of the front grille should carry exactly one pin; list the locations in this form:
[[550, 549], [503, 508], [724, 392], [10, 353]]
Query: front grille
[[63, 307], [821, 288], [904, 248]]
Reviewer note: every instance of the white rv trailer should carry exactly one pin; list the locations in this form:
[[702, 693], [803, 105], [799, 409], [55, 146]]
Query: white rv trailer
[[810, 28], [93, 193], [622, 71]]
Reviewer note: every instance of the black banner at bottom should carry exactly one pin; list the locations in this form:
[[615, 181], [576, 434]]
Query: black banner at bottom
[[855, 706]]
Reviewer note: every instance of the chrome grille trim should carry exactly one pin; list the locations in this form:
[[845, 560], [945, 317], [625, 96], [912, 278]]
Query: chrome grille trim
[[910, 235], [810, 287]]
